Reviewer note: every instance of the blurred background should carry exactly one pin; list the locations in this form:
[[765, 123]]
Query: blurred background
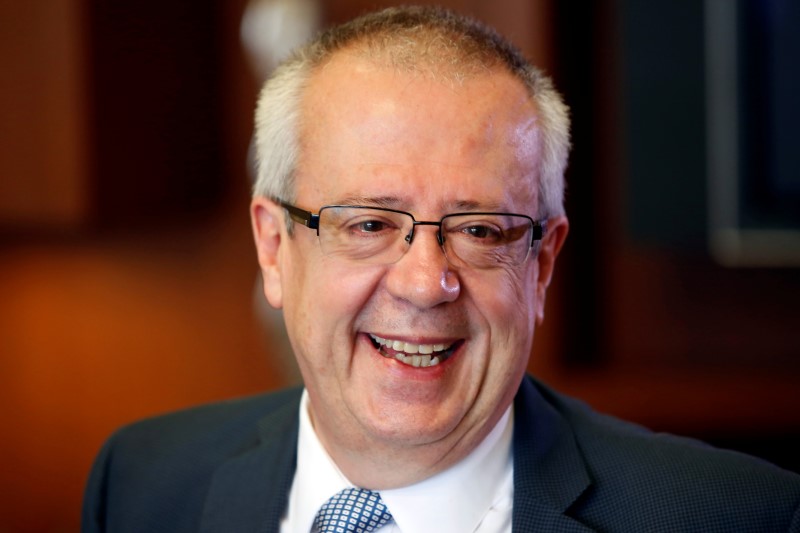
[[128, 282]]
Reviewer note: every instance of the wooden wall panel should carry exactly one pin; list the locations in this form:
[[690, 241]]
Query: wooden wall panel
[[43, 137]]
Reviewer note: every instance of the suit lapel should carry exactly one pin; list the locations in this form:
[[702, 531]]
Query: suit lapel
[[549, 471], [249, 492]]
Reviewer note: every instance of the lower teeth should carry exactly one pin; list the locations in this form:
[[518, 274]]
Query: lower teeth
[[435, 353], [418, 360], [414, 360]]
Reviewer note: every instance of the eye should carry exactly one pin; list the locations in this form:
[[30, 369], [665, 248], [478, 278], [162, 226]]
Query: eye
[[482, 232], [370, 226], [363, 226]]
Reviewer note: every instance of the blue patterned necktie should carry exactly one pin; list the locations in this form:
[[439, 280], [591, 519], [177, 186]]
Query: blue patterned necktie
[[356, 510]]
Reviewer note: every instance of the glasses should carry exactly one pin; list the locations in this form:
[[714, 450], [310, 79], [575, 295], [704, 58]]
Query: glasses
[[376, 235]]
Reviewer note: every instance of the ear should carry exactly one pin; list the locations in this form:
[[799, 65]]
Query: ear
[[557, 229], [268, 231]]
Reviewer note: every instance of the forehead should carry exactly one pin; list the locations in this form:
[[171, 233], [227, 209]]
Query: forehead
[[369, 130]]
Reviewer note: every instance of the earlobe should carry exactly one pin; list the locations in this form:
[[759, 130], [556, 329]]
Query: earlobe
[[557, 229], [267, 221]]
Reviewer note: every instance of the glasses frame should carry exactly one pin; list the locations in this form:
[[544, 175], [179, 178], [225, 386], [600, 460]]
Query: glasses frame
[[311, 220]]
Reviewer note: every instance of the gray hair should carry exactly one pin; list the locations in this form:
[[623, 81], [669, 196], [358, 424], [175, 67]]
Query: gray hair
[[412, 39]]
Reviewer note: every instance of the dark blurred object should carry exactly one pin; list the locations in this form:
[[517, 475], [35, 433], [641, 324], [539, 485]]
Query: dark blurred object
[[156, 118], [643, 289], [752, 52], [653, 329], [777, 448], [111, 116], [711, 116], [672, 301]]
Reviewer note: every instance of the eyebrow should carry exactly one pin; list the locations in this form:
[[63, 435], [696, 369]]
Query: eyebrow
[[390, 202], [472, 205], [394, 202]]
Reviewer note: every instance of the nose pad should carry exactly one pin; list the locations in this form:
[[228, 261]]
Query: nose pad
[[440, 238], [424, 280]]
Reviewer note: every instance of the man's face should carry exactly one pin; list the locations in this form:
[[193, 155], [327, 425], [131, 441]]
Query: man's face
[[373, 136]]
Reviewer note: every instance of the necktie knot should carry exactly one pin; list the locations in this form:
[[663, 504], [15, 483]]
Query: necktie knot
[[351, 510]]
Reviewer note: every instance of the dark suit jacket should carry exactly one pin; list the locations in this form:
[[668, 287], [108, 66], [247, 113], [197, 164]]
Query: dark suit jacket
[[228, 467]]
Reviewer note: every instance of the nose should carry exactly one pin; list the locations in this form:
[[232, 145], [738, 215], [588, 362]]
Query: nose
[[423, 277]]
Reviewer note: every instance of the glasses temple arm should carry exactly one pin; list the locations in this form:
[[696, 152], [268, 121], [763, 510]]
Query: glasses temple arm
[[307, 218], [539, 229]]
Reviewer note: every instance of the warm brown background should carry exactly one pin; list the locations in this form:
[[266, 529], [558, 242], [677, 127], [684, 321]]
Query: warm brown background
[[127, 278]]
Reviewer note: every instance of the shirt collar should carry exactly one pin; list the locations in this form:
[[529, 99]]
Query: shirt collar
[[317, 477], [456, 500]]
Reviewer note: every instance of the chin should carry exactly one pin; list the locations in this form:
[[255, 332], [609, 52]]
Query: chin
[[410, 427]]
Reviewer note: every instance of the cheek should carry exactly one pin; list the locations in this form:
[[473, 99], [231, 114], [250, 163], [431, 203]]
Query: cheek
[[347, 287], [515, 290], [525, 297], [508, 302], [328, 298], [321, 316]]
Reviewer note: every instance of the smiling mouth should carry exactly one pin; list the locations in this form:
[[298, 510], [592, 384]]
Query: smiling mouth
[[416, 355]]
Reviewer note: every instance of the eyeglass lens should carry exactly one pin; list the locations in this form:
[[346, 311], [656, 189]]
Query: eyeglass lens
[[379, 236]]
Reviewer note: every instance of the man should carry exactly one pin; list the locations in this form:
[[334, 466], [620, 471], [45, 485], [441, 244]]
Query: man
[[407, 218]]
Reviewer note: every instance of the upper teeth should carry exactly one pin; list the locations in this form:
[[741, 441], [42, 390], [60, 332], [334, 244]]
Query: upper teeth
[[408, 347], [409, 351]]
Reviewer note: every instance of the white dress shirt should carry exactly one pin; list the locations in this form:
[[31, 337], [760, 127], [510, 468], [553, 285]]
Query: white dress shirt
[[474, 495]]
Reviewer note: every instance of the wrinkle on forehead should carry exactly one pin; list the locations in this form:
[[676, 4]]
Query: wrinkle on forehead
[[403, 204]]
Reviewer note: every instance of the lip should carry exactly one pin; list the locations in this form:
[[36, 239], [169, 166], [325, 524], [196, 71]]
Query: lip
[[454, 348], [448, 341]]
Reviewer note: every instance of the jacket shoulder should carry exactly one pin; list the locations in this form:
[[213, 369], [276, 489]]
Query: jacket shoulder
[[661, 482], [160, 469], [208, 425]]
